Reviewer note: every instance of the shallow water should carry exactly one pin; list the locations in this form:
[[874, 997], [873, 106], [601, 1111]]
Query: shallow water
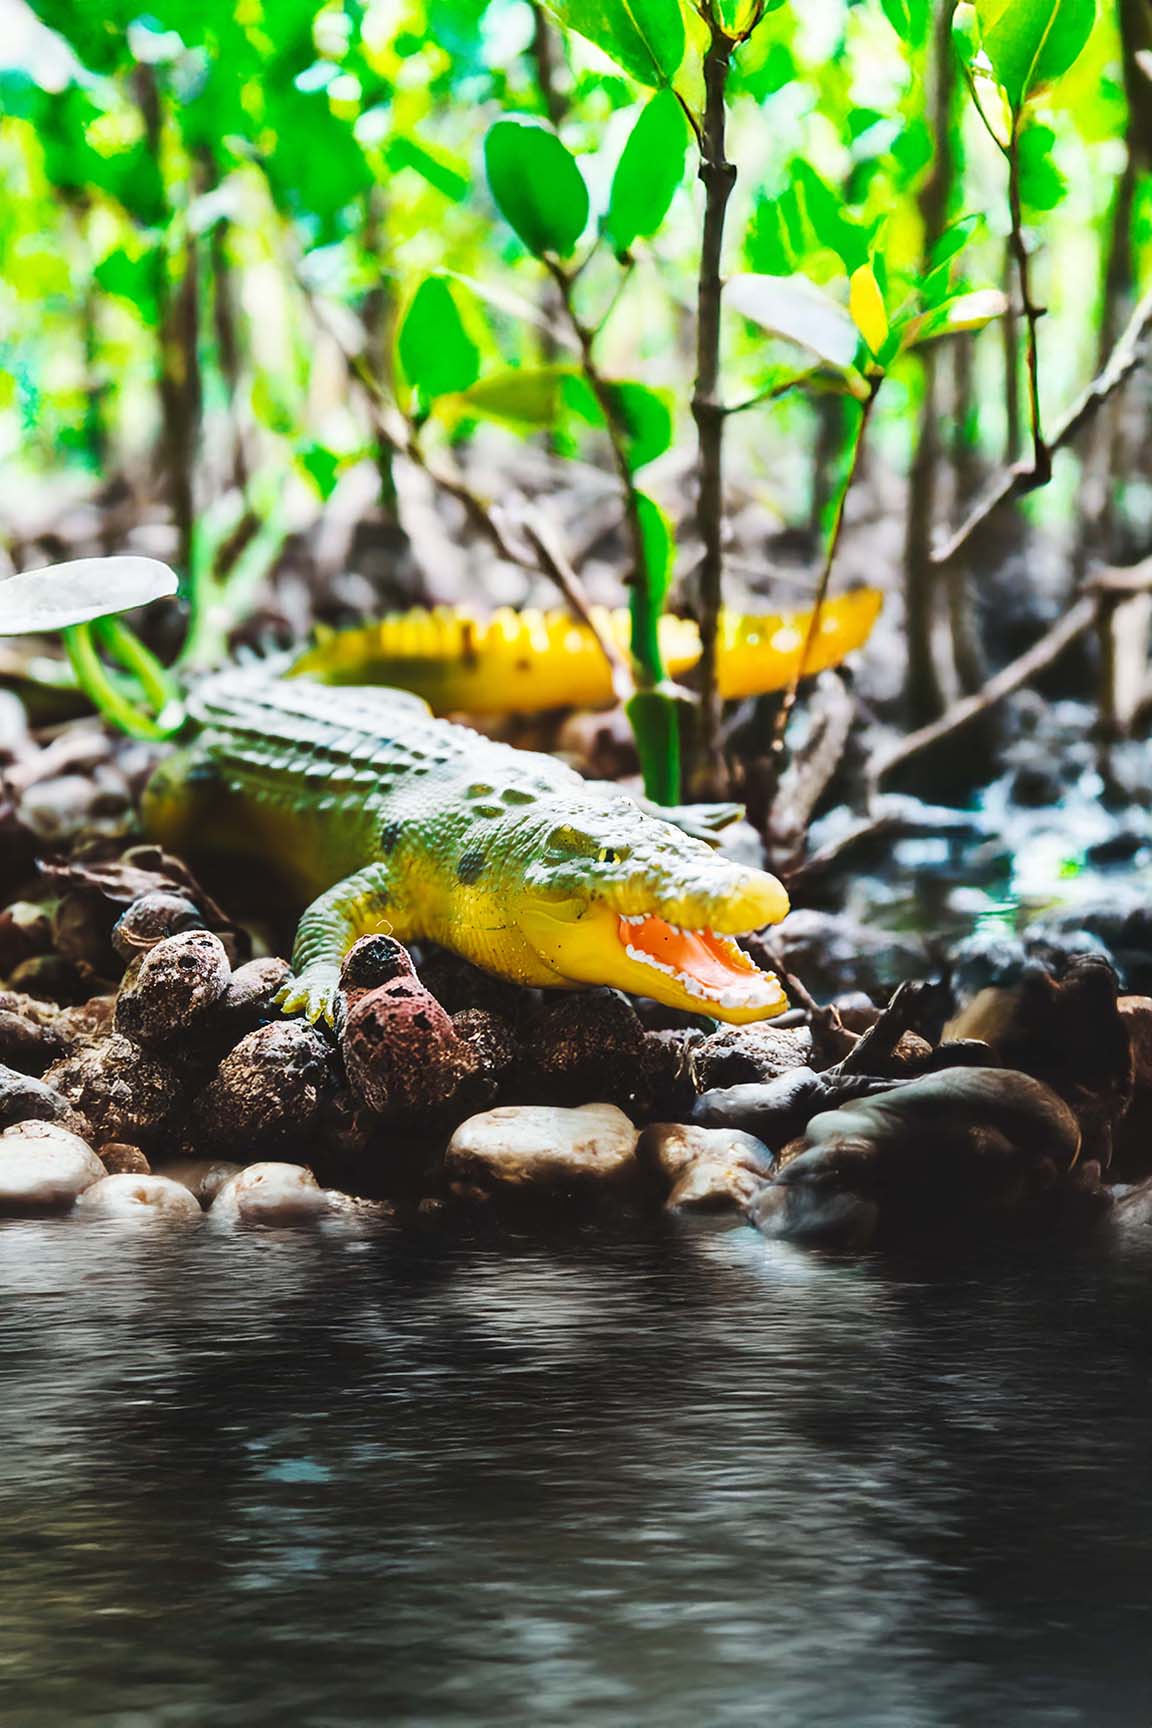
[[332, 1479]]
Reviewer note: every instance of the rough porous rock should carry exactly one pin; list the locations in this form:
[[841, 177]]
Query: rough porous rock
[[268, 1091], [738, 1055], [272, 1194], [150, 1199], [44, 1168], [23, 1098], [456, 985], [670, 1082], [151, 919], [203, 1177], [541, 1145], [586, 1044], [250, 999], [125, 1092], [706, 1167], [173, 989], [493, 1044], [400, 1048], [121, 1159]]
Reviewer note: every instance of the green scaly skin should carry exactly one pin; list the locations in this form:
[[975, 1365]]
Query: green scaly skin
[[391, 820]]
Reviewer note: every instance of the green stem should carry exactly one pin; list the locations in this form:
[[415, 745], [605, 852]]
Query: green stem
[[833, 543], [102, 692]]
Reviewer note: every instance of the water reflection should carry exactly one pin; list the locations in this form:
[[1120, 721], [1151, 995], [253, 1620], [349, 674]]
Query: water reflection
[[687, 1478]]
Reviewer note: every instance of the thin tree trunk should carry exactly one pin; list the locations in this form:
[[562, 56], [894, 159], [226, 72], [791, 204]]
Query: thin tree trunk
[[378, 313], [922, 690]]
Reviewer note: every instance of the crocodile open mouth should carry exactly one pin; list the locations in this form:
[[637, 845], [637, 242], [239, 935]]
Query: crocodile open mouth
[[710, 967]]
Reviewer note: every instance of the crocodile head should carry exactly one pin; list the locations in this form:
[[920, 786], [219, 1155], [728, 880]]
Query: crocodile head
[[605, 894]]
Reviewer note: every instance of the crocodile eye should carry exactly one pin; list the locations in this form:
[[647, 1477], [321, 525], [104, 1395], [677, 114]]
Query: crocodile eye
[[612, 854], [569, 842]]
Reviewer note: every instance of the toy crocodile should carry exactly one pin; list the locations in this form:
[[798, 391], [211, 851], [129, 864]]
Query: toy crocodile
[[429, 830]]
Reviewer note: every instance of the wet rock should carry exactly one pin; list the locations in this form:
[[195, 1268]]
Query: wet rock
[[1133, 1208], [586, 1044], [44, 1168], [1136, 1016], [270, 1194], [707, 1168], [25, 930], [1066, 1031], [952, 1147], [816, 1211], [145, 1199], [269, 1090], [121, 1159], [544, 1146], [832, 954], [24, 1098], [29, 1037], [776, 1111], [83, 1021], [203, 1177], [125, 1092], [741, 1055], [173, 988], [151, 919], [400, 1048]]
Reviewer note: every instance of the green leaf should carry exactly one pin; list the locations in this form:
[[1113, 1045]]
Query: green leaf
[[909, 19], [953, 240], [793, 307], [40, 601], [971, 311], [404, 151], [1041, 183], [645, 37], [649, 172], [537, 186], [646, 419], [1031, 42], [436, 351], [523, 397]]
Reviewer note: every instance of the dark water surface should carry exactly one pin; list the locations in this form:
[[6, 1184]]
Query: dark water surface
[[691, 1478]]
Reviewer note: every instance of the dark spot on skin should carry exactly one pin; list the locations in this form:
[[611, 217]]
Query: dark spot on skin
[[513, 795], [479, 790], [470, 868], [390, 836]]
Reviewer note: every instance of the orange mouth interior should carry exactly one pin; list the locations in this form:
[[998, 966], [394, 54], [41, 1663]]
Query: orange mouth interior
[[707, 964]]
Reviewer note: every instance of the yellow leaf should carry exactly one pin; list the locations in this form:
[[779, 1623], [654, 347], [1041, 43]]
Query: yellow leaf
[[866, 304]]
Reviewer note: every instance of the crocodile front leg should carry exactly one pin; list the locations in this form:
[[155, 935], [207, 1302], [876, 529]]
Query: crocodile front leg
[[357, 906]]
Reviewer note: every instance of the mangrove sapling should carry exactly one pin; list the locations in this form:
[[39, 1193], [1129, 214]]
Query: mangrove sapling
[[81, 601]]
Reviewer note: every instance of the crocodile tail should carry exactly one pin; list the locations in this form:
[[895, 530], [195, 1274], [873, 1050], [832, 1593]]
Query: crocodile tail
[[524, 661]]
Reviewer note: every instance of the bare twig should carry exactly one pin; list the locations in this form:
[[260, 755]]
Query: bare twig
[[718, 176], [538, 552], [1017, 673], [1014, 482], [1103, 591]]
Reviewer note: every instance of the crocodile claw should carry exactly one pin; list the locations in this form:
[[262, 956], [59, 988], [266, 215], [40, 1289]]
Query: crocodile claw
[[312, 993]]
